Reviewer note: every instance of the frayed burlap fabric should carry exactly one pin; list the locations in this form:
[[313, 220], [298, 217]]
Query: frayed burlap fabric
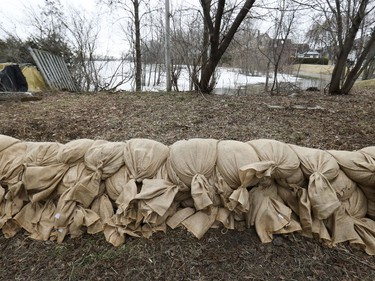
[[140, 186]]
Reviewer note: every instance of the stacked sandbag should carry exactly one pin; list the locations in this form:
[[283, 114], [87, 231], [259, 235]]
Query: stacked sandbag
[[79, 187], [141, 192], [12, 195], [268, 212], [41, 175], [191, 166], [140, 186], [360, 167], [233, 190]]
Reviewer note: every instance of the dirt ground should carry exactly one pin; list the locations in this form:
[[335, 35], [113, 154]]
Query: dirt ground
[[309, 119]]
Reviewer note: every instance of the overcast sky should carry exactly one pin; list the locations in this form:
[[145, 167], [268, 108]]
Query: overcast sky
[[15, 14]]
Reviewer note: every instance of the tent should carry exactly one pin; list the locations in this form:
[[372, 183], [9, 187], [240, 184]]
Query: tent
[[33, 77]]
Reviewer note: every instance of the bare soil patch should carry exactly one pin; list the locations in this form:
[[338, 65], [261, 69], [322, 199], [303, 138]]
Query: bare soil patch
[[308, 119]]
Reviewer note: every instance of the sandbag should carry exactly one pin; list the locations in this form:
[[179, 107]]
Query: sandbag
[[231, 156], [357, 165], [320, 167], [42, 172], [192, 162], [143, 157], [282, 160], [6, 142]]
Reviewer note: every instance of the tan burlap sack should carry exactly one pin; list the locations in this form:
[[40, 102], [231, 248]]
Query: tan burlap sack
[[13, 195], [231, 156], [281, 159], [357, 165], [348, 223], [115, 184], [192, 162], [42, 172], [343, 186], [370, 150], [298, 178], [268, 213], [144, 157], [6, 141], [73, 152], [200, 222], [37, 219], [105, 159], [11, 163], [320, 167], [73, 175], [157, 196]]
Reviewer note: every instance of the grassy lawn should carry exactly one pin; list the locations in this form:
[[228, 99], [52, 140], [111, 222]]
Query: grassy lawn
[[315, 69]]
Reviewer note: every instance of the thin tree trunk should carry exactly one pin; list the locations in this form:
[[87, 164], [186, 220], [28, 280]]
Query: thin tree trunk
[[340, 66], [138, 52], [217, 47]]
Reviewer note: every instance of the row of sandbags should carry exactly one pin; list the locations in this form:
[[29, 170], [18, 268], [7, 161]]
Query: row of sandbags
[[141, 186]]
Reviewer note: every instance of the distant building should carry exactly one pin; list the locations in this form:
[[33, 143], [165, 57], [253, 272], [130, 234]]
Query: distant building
[[310, 54]]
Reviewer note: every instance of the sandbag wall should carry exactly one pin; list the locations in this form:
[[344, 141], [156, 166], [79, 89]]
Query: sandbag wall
[[140, 186]]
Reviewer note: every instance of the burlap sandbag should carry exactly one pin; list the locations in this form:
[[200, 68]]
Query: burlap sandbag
[[115, 184], [232, 155], [320, 167], [268, 213], [370, 150], [200, 222], [127, 219], [101, 161], [72, 211], [11, 163], [73, 175], [192, 162], [143, 158], [37, 219], [42, 171], [297, 178], [6, 141], [360, 167], [281, 159], [348, 223], [357, 165], [105, 159], [343, 186], [127, 208], [73, 152], [156, 196], [13, 195]]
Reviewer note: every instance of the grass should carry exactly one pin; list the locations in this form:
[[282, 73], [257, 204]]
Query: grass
[[365, 84], [314, 68]]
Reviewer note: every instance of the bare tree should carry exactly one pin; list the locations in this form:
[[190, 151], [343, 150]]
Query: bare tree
[[219, 34], [132, 8], [187, 45], [138, 10], [343, 21]]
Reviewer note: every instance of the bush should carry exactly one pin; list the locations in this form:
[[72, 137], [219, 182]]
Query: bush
[[322, 61]]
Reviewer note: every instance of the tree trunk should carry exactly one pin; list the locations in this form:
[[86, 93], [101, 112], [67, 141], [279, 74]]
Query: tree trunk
[[138, 52], [217, 46], [345, 48], [363, 61]]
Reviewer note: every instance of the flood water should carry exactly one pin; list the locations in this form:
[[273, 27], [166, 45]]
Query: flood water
[[301, 83]]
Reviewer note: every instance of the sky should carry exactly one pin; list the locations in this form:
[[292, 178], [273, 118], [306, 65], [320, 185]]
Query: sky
[[15, 14], [15, 17]]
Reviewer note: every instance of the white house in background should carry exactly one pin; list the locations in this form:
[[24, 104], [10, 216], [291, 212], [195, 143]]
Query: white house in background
[[310, 54]]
